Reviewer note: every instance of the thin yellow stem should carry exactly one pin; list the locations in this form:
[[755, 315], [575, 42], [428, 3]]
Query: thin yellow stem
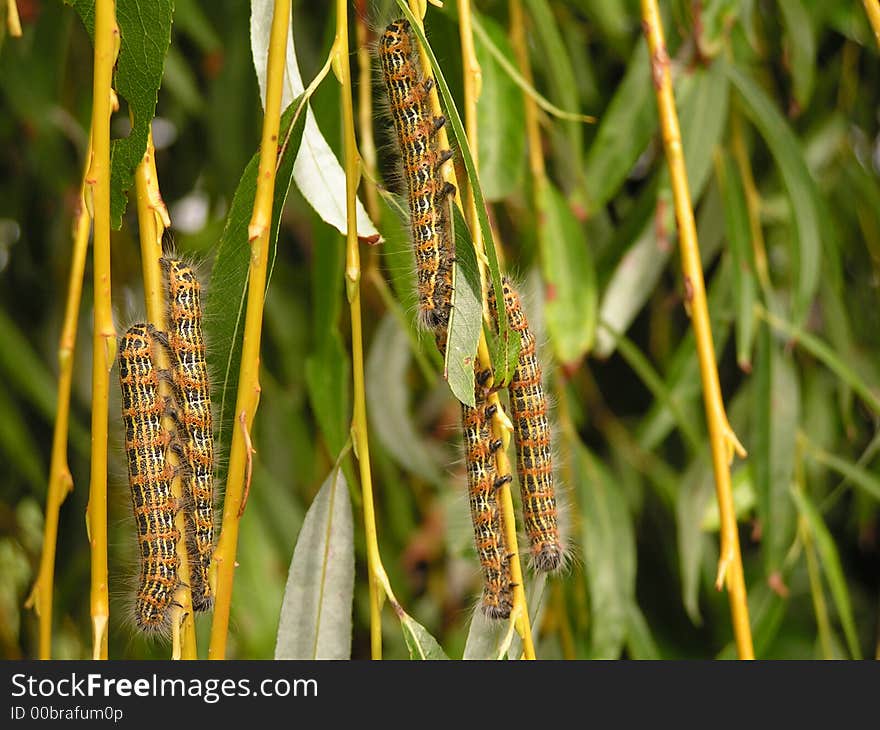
[[473, 83], [377, 577], [13, 22], [723, 440], [60, 479], [153, 220], [104, 333], [872, 8], [365, 112], [248, 396], [537, 165]]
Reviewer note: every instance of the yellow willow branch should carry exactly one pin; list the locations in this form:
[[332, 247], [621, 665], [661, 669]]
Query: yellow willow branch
[[13, 22], [60, 479], [153, 220], [365, 111], [248, 396], [723, 440], [377, 577], [104, 334], [872, 8]]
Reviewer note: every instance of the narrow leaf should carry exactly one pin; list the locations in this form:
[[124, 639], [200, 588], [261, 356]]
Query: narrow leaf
[[736, 224], [777, 406], [803, 197], [466, 319], [500, 119], [316, 612], [388, 404], [569, 277], [609, 554], [832, 568], [420, 643], [625, 128], [801, 49]]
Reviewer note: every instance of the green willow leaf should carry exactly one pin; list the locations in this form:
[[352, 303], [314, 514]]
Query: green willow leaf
[[466, 318], [776, 415], [736, 224], [832, 568], [227, 293], [569, 277], [801, 47], [316, 615], [609, 553], [625, 128], [803, 196], [388, 404], [145, 32], [421, 644], [500, 119]]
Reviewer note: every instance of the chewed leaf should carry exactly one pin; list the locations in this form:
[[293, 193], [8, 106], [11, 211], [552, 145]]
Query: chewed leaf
[[317, 172], [316, 613], [145, 31]]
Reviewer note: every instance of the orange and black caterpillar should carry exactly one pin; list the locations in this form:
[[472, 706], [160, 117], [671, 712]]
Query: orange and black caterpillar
[[189, 376], [531, 429], [483, 485], [408, 93], [150, 475]]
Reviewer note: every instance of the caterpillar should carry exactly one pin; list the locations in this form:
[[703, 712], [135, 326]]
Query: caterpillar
[[189, 376], [428, 194], [150, 475], [483, 485], [531, 430]]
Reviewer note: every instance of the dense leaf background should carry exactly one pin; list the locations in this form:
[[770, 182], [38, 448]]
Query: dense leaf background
[[791, 86]]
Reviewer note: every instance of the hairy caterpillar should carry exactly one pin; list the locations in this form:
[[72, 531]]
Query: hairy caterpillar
[[483, 485], [531, 429], [408, 93], [150, 476], [189, 376]]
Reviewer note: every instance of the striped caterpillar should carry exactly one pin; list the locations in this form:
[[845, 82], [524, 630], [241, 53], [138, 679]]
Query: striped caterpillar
[[483, 485], [189, 376], [150, 476], [531, 428], [408, 93]]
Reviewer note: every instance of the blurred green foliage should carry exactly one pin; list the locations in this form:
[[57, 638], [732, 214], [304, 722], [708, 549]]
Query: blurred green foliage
[[798, 353]]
